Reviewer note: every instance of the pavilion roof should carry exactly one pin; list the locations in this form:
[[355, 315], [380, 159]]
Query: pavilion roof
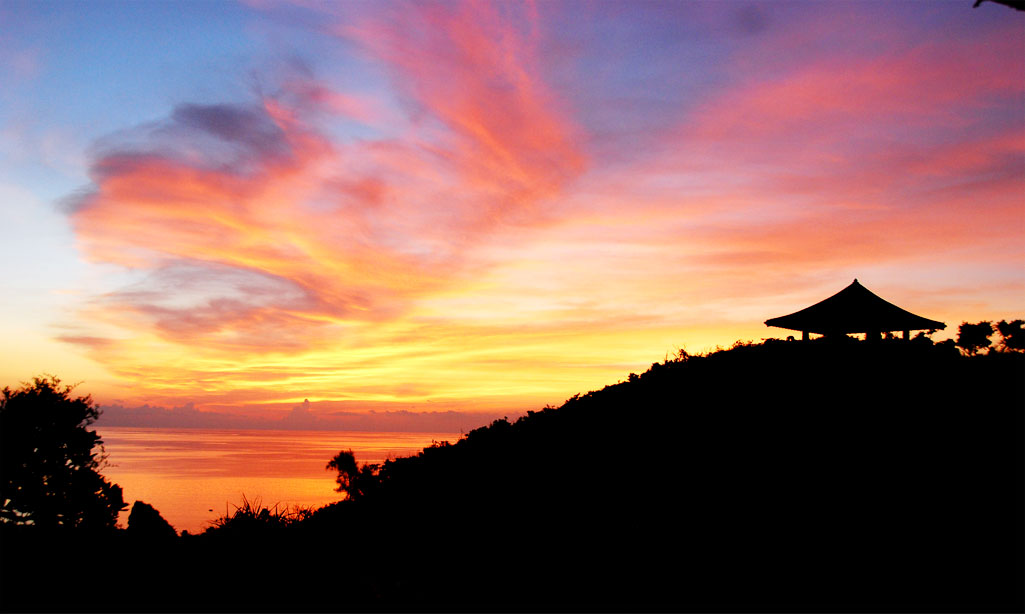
[[854, 309]]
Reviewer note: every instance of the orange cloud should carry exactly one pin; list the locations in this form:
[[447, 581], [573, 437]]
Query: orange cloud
[[466, 238], [258, 238]]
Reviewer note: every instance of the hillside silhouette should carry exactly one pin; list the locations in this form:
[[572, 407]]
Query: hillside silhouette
[[829, 475]]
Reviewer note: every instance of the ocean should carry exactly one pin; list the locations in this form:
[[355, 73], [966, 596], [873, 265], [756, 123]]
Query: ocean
[[192, 476]]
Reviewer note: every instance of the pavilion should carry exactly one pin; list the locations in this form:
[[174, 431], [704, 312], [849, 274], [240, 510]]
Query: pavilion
[[854, 310]]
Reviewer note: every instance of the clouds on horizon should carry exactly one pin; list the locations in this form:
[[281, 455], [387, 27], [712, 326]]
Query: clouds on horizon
[[306, 416]]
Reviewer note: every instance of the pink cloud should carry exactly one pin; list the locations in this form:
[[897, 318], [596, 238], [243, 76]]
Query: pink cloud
[[257, 235], [368, 245], [856, 64], [474, 70]]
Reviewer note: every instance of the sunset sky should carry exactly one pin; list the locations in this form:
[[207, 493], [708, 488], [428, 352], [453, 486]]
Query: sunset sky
[[424, 215]]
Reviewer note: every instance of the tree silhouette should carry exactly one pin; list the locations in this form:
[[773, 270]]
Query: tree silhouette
[[49, 462], [1012, 335], [146, 522], [973, 337], [353, 479]]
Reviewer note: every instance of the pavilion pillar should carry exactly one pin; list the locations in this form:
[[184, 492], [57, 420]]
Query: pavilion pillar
[[804, 335], [907, 335]]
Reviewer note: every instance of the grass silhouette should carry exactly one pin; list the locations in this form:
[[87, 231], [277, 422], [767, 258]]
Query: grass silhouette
[[253, 514]]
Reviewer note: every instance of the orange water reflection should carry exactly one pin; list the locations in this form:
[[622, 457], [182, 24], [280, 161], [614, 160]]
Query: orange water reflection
[[186, 473]]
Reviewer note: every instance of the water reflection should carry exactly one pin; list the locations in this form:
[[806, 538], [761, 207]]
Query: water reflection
[[186, 473]]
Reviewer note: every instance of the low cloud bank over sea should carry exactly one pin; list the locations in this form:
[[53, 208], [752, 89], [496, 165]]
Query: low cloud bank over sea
[[326, 416]]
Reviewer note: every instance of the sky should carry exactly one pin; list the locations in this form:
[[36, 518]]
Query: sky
[[421, 216]]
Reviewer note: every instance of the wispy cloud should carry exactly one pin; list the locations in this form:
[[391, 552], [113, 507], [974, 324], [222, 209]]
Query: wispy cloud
[[474, 71], [518, 209], [255, 233]]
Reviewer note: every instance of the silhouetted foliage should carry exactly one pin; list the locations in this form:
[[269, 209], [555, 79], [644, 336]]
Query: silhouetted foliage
[[1012, 335], [353, 479], [145, 522], [50, 460], [924, 337], [252, 515], [972, 338], [830, 475], [765, 477]]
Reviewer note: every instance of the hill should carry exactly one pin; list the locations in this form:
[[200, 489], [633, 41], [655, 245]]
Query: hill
[[774, 477]]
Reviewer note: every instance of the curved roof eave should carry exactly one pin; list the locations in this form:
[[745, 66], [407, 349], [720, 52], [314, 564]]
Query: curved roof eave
[[855, 309]]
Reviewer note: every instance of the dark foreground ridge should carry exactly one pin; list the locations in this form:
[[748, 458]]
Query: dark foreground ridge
[[777, 477]]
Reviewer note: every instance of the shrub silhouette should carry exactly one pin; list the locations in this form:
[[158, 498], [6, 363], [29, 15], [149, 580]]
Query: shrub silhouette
[[1012, 335], [50, 460], [974, 337], [145, 522], [252, 516]]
